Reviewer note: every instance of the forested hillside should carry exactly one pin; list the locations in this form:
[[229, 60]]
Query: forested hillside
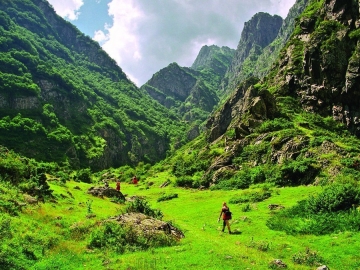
[[193, 92], [63, 99]]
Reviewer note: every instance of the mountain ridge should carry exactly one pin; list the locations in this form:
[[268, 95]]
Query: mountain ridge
[[81, 108]]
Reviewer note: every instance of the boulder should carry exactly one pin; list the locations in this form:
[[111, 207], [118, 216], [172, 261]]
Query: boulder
[[107, 192], [148, 225]]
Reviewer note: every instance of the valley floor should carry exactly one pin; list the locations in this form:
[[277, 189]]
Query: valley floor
[[252, 245]]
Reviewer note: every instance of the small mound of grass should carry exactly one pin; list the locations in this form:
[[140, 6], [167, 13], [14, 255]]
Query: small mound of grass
[[167, 197], [251, 196]]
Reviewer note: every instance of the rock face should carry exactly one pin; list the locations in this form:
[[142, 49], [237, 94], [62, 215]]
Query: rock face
[[214, 59], [318, 71], [320, 65], [259, 32], [244, 110], [171, 82], [192, 92], [182, 89], [262, 64]]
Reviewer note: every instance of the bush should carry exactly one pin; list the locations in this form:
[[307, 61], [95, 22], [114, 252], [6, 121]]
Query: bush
[[142, 206], [246, 208], [237, 183], [310, 258], [251, 196], [83, 175], [334, 198], [241, 180], [184, 181], [333, 210], [301, 171], [274, 125], [121, 238]]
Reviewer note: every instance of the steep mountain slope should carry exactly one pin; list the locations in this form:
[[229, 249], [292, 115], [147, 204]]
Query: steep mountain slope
[[63, 99], [257, 33], [191, 92], [212, 62], [261, 65], [182, 90], [298, 125], [320, 65]]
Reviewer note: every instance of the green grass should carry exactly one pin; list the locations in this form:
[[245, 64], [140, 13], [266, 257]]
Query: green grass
[[253, 246]]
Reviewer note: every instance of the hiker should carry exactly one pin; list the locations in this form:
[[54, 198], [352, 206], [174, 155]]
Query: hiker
[[118, 185], [226, 216], [134, 180]]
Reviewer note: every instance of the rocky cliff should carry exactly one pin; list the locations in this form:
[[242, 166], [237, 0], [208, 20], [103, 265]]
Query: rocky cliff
[[192, 92], [261, 65], [299, 124], [183, 90], [257, 33], [214, 59], [320, 64]]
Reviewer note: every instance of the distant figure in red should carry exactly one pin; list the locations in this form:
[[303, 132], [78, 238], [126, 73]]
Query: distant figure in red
[[118, 185], [135, 180]]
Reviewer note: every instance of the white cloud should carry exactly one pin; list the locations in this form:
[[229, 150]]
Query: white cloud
[[123, 42], [67, 8], [145, 36], [100, 36], [281, 7]]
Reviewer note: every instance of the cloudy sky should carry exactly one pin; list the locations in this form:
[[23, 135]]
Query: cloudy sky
[[144, 36]]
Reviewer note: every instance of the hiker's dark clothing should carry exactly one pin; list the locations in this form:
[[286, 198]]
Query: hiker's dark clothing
[[224, 211]]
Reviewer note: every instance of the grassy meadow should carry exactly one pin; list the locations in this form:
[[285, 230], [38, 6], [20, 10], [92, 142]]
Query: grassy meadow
[[65, 229]]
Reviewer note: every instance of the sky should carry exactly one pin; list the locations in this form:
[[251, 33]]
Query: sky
[[144, 36]]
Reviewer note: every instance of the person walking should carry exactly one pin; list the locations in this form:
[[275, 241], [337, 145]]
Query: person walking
[[226, 216], [118, 185]]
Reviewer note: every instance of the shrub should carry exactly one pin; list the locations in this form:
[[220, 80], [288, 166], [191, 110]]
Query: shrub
[[184, 181], [293, 172], [310, 258], [259, 245], [83, 175], [331, 211], [251, 196], [142, 206], [257, 175], [122, 238], [246, 208], [334, 198], [274, 125], [235, 183], [115, 237]]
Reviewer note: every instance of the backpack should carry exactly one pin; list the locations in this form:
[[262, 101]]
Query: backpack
[[228, 214]]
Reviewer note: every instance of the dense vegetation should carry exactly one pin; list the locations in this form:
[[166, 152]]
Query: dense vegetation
[[289, 176], [192, 93], [63, 99]]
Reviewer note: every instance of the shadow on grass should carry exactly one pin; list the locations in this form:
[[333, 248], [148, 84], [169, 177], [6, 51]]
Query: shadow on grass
[[236, 232]]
